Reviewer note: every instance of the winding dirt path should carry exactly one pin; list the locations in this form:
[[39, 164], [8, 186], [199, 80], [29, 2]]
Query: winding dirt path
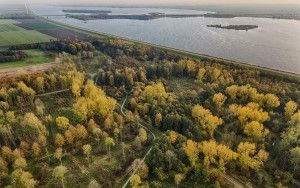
[[148, 151], [228, 177]]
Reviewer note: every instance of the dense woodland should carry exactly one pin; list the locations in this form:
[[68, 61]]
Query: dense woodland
[[212, 121]]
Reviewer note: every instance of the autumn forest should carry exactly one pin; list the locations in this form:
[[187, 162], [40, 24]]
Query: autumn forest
[[115, 113]]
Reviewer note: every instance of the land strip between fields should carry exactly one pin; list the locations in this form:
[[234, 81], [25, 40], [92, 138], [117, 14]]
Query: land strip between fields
[[30, 69]]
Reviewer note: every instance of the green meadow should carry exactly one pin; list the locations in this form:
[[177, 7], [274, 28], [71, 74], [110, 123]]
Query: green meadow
[[11, 34]]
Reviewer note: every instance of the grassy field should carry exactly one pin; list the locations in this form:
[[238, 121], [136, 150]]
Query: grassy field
[[36, 57], [8, 21], [35, 24], [11, 34]]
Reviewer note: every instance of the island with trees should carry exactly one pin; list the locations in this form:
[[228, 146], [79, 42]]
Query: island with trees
[[116, 113], [286, 16], [87, 11], [235, 27]]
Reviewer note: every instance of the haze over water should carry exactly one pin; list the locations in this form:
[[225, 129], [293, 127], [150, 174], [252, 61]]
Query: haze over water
[[275, 44]]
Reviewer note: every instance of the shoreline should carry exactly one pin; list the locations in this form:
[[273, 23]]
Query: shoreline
[[100, 35], [251, 12]]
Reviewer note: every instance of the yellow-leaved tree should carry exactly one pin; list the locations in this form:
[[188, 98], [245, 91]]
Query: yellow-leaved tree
[[77, 83], [249, 157], [295, 119], [205, 119], [155, 91], [94, 102], [219, 99], [59, 172], [32, 126], [191, 149], [109, 142], [62, 123], [290, 108], [250, 112], [271, 100], [255, 130], [135, 181], [216, 156], [21, 178], [87, 148]]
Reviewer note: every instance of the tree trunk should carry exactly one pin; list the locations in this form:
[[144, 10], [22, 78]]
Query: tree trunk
[[109, 155], [62, 182]]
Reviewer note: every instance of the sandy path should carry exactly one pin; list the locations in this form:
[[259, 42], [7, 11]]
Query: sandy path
[[31, 69]]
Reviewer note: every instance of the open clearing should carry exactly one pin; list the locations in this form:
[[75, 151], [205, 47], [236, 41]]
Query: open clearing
[[11, 34], [35, 57], [31, 69]]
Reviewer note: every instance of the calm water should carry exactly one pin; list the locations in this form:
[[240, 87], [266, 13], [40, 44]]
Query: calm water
[[275, 44]]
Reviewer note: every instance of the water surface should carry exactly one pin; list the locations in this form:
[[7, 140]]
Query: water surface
[[275, 44]]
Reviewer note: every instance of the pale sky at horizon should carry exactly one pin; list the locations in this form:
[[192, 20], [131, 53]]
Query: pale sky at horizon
[[153, 2]]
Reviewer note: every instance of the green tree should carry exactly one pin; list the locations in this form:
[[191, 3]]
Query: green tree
[[295, 157], [171, 157], [291, 135]]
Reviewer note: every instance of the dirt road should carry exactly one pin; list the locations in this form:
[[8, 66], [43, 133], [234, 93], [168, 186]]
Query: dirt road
[[31, 69]]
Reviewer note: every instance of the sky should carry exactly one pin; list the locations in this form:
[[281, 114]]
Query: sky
[[153, 2]]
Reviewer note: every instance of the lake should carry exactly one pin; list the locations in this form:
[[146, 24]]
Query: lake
[[275, 44]]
